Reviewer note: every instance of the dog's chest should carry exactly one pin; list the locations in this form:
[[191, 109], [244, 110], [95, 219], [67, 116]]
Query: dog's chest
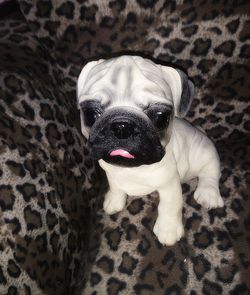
[[138, 180]]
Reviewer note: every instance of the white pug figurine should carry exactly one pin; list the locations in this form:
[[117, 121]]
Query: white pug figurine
[[131, 110]]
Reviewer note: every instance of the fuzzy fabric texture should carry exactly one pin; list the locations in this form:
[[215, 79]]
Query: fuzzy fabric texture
[[54, 235]]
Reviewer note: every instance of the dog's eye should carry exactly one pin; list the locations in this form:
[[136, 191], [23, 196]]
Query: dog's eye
[[92, 110], [160, 115]]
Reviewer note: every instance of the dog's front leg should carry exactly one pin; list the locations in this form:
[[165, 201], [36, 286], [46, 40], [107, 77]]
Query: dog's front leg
[[168, 227], [114, 200]]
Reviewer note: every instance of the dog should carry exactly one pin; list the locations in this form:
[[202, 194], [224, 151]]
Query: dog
[[131, 112]]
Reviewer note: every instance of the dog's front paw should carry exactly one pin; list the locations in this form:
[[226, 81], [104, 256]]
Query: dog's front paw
[[168, 231], [208, 196], [114, 204]]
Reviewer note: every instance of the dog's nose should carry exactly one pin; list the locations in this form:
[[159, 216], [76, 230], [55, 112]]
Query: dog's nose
[[122, 130]]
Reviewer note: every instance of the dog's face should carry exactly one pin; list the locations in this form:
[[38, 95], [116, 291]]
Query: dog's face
[[127, 107]]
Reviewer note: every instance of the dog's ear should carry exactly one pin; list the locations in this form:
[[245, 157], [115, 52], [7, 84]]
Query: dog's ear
[[187, 94], [84, 75], [182, 89]]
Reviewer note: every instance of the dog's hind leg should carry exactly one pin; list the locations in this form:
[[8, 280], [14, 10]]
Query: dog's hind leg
[[207, 192]]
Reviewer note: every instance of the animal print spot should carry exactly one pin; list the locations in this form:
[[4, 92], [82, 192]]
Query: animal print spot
[[128, 264], [184, 63], [22, 150], [25, 112], [244, 34], [69, 137], [2, 277], [235, 118], [12, 290], [113, 237], [13, 224], [239, 289], [13, 270], [106, 264], [224, 240], [66, 9], [148, 223], [176, 45], [103, 48], [147, 4], [141, 289], [127, 41], [201, 46], [211, 288], [46, 112], [41, 243], [129, 229], [226, 273], [27, 290], [164, 31], [16, 168], [173, 290], [225, 48], [245, 51], [95, 278], [131, 232], [189, 31], [152, 45], [52, 134], [189, 15], [7, 197], [144, 246], [223, 108], [32, 218], [114, 286], [28, 190], [236, 206], [200, 266], [233, 228], [54, 241], [70, 34], [204, 238], [34, 131], [205, 65], [117, 6], [136, 206], [210, 14], [108, 22], [236, 135], [63, 225], [51, 219], [88, 13], [50, 196], [233, 26], [14, 84], [52, 27], [44, 9], [169, 260], [193, 222]]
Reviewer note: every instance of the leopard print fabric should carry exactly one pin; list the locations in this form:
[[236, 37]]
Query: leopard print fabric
[[45, 172], [210, 41]]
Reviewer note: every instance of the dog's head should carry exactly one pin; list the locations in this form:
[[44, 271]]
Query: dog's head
[[127, 106]]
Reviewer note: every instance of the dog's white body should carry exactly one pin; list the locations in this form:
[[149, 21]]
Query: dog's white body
[[189, 154], [127, 81]]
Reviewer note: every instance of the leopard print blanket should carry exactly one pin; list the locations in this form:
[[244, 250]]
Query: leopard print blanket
[[54, 235]]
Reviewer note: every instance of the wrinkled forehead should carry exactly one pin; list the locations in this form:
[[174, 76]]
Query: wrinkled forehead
[[128, 81]]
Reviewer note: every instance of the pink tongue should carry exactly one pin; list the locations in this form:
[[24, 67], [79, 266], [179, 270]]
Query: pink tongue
[[122, 153]]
